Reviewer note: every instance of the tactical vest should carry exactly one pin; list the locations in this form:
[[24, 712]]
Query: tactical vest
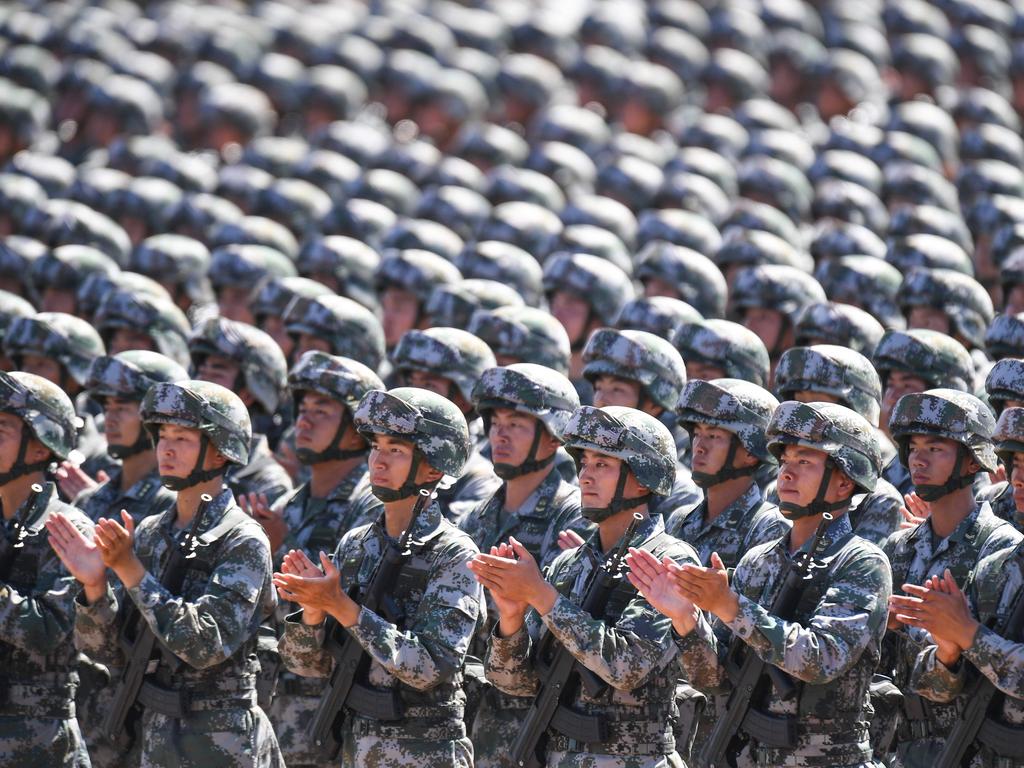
[[326, 530]]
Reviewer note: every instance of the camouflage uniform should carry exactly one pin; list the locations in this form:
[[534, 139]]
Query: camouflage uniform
[[461, 358], [1005, 382], [995, 585], [553, 506], [438, 597], [916, 554], [37, 705], [831, 646], [629, 647], [316, 525], [208, 632]]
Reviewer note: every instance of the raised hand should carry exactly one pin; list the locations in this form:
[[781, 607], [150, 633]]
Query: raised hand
[[257, 507], [653, 579], [917, 510], [319, 592], [116, 543], [73, 481], [942, 610], [569, 540], [79, 554], [708, 588]]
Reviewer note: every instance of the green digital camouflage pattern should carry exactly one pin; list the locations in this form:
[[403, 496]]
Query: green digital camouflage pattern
[[339, 378], [278, 293], [215, 411], [349, 261], [247, 266], [843, 434], [937, 359], [70, 341], [999, 496], [864, 281], [67, 266], [130, 374], [38, 724], [261, 474], [697, 278], [737, 350], [877, 515], [432, 423], [635, 437], [659, 315], [735, 405], [1005, 337], [963, 299], [831, 370], [43, 407], [160, 319], [452, 305], [423, 657], [774, 286], [210, 628], [261, 362], [949, 414], [830, 647], [1005, 381], [348, 327], [458, 497], [996, 583], [523, 334], [12, 306], [457, 355], [636, 356], [146, 497], [915, 554], [605, 287], [416, 271], [840, 324], [629, 648], [531, 389], [175, 260]]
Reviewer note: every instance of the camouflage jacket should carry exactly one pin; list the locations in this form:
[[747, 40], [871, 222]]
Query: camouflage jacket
[[1000, 498], [744, 524], [685, 493], [146, 497], [209, 630], [442, 605], [458, 498], [629, 649], [263, 473], [995, 585], [830, 647], [897, 476], [914, 555], [877, 515]]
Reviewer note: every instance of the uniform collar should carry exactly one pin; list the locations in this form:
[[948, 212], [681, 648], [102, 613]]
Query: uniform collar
[[651, 526], [532, 507], [836, 531], [733, 516], [925, 532], [219, 506], [425, 526]]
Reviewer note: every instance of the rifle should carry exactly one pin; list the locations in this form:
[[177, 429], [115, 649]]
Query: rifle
[[344, 691], [11, 546], [975, 722], [550, 708], [747, 680], [137, 639]]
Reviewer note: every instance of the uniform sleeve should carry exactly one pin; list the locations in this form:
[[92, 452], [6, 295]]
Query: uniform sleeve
[[880, 517], [507, 663], [432, 649], [210, 629], [1000, 660], [846, 620], [934, 680], [699, 653], [302, 648], [96, 630]]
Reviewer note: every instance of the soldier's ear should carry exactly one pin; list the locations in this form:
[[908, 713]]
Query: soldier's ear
[[428, 474], [37, 452], [971, 466], [216, 459]]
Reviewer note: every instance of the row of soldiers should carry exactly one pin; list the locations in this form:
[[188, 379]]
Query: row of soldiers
[[240, 674]]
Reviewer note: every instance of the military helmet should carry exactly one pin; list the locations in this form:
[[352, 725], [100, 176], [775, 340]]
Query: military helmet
[[697, 278], [161, 320], [929, 251], [416, 271], [531, 389], [68, 266], [432, 423], [936, 358], [347, 326], [949, 414], [1005, 381], [1008, 437], [339, 378], [831, 370], [349, 261], [260, 360], [67, 339], [727, 345], [453, 304], [504, 263], [276, 294], [217, 412], [866, 281], [637, 356], [11, 307], [1005, 337], [659, 315], [963, 299], [525, 334], [635, 437], [733, 405], [130, 374], [453, 353], [840, 324], [774, 286], [46, 410], [605, 287], [175, 260]]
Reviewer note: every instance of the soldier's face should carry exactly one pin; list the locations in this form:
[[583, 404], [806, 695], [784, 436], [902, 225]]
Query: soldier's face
[[766, 323], [235, 303], [307, 342], [58, 300], [46, 367], [400, 311], [390, 461], [703, 371], [599, 478], [1017, 481], [1014, 300], [711, 448], [572, 312], [122, 423], [929, 318], [177, 451], [219, 370], [125, 339], [442, 385], [317, 421], [931, 459], [898, 384], [10, 440], [511, 436], [274, 328], [800, 472], [655, 286], [611, 390]]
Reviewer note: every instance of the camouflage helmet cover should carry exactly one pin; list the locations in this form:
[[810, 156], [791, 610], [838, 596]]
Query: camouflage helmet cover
[[453, 353], [1005, 381], [130, 374], [339, 378], [727, 345], [161, 320], [526, 334], [65, 338], [637, 356], [1005, 336], [346, 325], [259, 357], [605, 287], [949, 414], [831, 370], [938, 359], [531, 389], [1008, 437], [44, 407], [840, 324], [733, 405], [215, 411]]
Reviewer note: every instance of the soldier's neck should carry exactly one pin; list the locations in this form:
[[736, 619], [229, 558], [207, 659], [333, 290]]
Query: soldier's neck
[[951, 510], [14, 493], [803, 529], [519, 489], [576, 366], [325, 476], [189, 498], [723, 495], [135, 468], [397, 515], [612, 529]]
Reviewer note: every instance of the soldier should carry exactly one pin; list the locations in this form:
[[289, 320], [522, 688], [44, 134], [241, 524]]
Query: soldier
[[199, 703], [944, 439], [247, 361], [525, 408], [405, 281], [129, 319], [416, 437], [335, 325], [827, 373], [1004, 386], [717, 349], [326, 390], [523, 335], [625, 456], [450, 361], [37, 711], [829, 647], [272, 302]]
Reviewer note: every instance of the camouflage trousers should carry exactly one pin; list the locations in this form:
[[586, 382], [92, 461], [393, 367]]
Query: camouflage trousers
[[291, 713], [241, 738], [42, 742], [496, 727], [93, 704], [583, 760], [367, 750]]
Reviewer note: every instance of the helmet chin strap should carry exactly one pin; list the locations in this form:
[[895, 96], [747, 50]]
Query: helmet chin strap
[[794, 511], [197, 475], [617, 504], [728, 470], [19, 468], [530, 464], [142, 443], [333, 452], [955, 481], [408, 488]]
